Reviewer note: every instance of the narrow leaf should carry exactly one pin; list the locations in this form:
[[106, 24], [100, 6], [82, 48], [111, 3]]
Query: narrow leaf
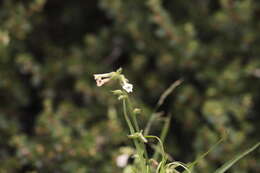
[[167, 92], [230, 163], [206, 153], [152, 119], [164, 132]]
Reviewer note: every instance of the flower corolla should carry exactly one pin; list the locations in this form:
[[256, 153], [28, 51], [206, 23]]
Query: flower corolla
[[104, 78]]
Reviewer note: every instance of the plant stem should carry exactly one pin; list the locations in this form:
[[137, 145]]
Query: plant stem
[[133, 116], [136, 125], [161, 146], [140, 149], [132, 131], [163, 135]]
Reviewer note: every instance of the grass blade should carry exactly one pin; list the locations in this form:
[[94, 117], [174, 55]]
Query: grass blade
[[230, 163], [164, 95], [164, 132], [152, 119], [167, 92], [206, 153]]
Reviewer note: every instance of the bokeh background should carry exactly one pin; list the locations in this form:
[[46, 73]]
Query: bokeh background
[[53, 118]]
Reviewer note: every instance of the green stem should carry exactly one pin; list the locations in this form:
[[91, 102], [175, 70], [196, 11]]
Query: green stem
[[132, 131], [163, 135], [164, 158], [136, 143], [136, 126], [149, 124], [133, 116]]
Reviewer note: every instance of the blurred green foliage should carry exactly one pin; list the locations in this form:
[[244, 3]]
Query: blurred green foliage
[[54, 119]]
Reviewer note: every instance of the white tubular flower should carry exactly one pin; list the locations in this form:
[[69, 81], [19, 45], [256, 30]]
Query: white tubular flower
[[101, 82], [101, 79], [104, 75], [128, 87]]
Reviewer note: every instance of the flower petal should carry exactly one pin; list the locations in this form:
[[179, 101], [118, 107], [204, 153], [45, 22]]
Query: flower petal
[[128, 87]]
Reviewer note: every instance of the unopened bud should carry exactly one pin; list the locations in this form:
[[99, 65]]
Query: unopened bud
[[119, 70], [137, 111], [117, 92]]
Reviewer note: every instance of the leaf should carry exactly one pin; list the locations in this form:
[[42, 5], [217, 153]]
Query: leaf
[[167, 92], [164, 95], [163, 135], [231, 162], [207, 152], [175, 164], [152, 119]]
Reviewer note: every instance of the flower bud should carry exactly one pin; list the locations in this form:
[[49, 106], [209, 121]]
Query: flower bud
[[137, 111], [118, 92], [119, 70]]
